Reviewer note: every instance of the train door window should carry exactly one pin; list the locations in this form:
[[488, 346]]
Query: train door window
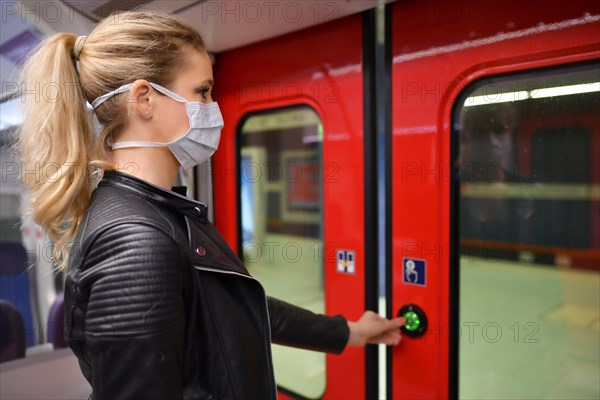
[[529, 235], [281, 207]]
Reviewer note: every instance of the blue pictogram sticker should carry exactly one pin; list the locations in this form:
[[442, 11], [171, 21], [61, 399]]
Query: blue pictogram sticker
[[414, 271], [345, 261]]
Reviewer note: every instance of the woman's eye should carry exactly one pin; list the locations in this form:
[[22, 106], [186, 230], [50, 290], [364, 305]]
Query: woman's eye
[[203, 92]]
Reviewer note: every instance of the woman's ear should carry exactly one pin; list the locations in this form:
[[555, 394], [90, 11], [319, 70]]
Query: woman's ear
[[140, 95]]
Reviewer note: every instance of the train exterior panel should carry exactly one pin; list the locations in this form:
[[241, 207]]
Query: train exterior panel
[[319, 68], [439, 49]]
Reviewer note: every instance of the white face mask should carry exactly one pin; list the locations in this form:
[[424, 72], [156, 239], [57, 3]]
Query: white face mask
[[198, 143]]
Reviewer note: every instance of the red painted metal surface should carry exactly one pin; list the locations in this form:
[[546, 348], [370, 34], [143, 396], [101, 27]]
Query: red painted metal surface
[[319, 67], [439, 47]]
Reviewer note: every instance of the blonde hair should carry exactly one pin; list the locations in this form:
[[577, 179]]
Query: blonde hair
[[57, 141]]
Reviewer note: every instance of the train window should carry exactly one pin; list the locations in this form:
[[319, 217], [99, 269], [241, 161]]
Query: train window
[[280, 159], [529, 210], [11, 192], [26, 278], [16, 284]]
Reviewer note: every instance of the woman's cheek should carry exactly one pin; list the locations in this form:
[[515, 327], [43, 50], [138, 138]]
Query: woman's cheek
[[178, 123]]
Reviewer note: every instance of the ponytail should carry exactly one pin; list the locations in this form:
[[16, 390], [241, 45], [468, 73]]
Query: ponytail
[[56, 142]]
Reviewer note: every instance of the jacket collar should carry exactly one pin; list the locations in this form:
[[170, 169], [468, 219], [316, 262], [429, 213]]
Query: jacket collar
[[156, 194]]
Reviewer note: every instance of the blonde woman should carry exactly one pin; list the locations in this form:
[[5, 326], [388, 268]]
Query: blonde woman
[[157, 305]]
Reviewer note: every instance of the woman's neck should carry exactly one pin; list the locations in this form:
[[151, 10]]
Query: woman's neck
[[155, 165]]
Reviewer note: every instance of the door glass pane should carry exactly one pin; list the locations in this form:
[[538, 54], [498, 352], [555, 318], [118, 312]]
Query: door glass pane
[[281, 198], [529, 208]]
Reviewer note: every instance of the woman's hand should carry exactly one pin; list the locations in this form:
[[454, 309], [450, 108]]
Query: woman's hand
[[372, 328]]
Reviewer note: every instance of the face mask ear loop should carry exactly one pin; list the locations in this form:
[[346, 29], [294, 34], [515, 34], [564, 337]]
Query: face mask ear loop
[[99, 100], [168, 93]]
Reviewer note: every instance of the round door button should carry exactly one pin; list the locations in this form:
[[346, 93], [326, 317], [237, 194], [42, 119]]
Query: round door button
[[412, 321], [415, 320]]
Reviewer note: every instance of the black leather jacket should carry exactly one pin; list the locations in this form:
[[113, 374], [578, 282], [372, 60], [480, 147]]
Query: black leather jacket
[[158, 306]]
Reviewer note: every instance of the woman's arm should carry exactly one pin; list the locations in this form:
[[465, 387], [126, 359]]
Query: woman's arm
[[134, 321], [296, 327]]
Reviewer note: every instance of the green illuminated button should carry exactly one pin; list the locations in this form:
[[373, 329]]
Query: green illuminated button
[[415, 320], [412, 322]]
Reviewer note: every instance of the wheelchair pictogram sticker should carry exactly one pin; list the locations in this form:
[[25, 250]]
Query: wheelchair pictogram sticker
[[414, 271]]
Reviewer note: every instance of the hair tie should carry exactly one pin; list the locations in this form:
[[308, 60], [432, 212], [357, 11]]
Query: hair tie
[[78, 46]]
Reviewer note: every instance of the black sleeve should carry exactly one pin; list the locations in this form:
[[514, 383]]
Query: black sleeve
[[296, 327], [134, 325]]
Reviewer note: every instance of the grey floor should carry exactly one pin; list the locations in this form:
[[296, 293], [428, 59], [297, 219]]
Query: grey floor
[[538, 332]]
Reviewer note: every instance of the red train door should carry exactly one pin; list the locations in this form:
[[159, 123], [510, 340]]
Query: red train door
[[312, 143], [509, 89], [289, 183]]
